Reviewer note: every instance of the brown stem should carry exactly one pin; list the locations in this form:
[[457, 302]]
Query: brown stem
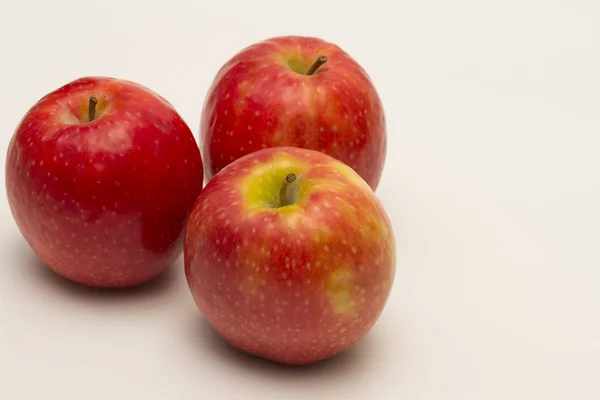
[[320, 61], [283, 201], [92, 108]]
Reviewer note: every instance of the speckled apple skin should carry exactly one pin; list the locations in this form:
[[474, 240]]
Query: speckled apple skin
[[257, 101], [103, 203], [295, 284]]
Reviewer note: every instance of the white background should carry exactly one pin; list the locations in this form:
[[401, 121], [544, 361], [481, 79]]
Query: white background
[[492, 184]]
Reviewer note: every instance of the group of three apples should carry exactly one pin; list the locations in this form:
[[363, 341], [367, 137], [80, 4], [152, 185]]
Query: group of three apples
[[288, 253]]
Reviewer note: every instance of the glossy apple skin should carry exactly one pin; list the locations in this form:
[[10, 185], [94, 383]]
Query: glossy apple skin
[[257, 101], [103, 203], [295, 284]]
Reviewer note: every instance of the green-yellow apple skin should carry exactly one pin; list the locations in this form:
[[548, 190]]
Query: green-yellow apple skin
[[289, 255]]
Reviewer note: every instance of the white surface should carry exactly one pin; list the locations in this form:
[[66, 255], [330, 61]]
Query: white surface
[[492, 184]]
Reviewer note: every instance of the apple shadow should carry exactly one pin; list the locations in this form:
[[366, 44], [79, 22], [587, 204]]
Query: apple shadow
[[36, 276], [207, 342]]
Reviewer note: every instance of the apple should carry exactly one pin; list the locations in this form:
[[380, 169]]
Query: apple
[[101, 175], [289, 255], [294, 91]]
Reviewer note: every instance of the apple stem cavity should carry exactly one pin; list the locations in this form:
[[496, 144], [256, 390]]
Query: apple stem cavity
[[92, 108], [316, 65], [283, 198]]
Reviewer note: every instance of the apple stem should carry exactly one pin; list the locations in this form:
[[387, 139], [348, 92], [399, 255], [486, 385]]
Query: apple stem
[[92, 108], [283, 201], [320, 61]]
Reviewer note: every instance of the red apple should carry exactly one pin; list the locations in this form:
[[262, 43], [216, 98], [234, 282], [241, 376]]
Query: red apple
[[294, 91], [101, 175], [289, 255]]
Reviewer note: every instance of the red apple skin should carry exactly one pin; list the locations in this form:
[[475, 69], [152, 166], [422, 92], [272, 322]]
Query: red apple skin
[[257, 101], [295, 284], [103, 203]]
